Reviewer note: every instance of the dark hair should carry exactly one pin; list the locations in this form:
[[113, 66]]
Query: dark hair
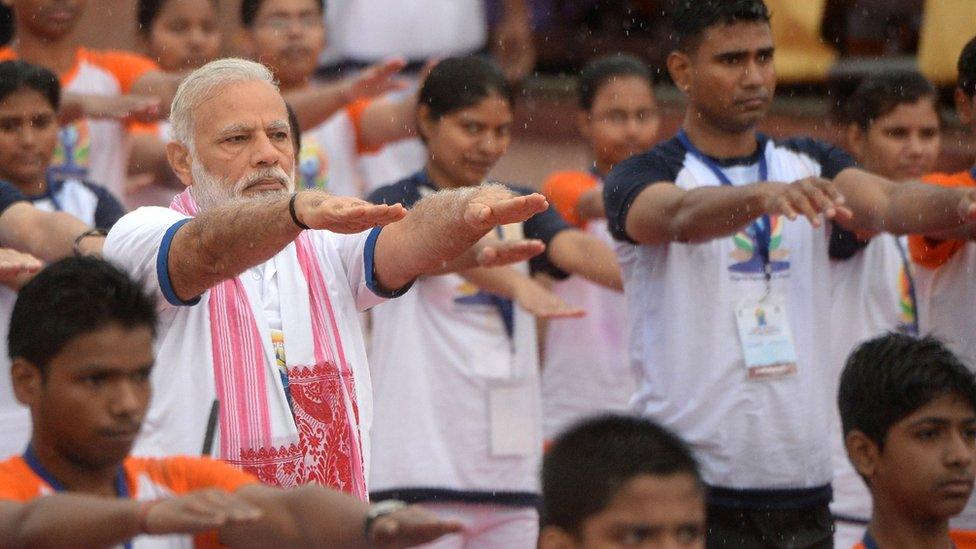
[[598, 72], [460, 82], [296, 129], [7, 25], [880, 94], [588, 463], [71, 298], [967, 68], [250, 9], [147, 11], [691, 18], [21, 75], [891, 376]]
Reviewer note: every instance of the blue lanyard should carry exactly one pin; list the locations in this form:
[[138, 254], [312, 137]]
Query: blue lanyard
[[121, 486], [762, 227]]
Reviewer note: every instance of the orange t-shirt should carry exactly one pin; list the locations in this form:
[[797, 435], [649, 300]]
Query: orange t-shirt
[[563, 190], [147, 479], [963, 539], [933, 254]]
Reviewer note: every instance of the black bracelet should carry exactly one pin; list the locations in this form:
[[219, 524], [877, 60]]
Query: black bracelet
[[294, 216], [76, 245]]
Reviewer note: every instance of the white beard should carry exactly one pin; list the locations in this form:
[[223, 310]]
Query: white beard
[[210, 191]]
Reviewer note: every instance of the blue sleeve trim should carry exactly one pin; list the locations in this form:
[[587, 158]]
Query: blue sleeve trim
[[370, 267], [162, 267]]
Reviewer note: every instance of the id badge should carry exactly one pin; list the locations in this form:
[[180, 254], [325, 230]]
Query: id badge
[[767, 342], [512, 425]]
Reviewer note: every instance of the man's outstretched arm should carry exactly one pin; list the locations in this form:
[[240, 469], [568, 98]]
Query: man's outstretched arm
[[444, 225]]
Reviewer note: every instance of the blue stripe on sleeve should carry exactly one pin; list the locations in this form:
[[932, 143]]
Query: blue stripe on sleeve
[[162, 267], [370, 267]]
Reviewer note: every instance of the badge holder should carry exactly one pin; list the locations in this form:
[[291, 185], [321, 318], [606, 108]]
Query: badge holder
[[765, 335]]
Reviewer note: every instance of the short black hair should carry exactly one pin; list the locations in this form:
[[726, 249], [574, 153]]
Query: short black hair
[[70, 298], [967, 68], [879, 94], [250, 9], [588, 463], [147, 11], [889, 377], [19, 75], [460, 82], [691, 18], [598, 72]]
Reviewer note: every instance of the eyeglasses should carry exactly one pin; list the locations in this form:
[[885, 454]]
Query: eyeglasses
[[307, 21], [620, 118]]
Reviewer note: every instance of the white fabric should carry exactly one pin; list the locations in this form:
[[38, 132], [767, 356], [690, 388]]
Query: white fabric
[[945, 310], [585, 368], [328, 159], [75, 198], [747, 434], [434, 358], [866, 302], [486, 526], [182, 380], [371, 30]]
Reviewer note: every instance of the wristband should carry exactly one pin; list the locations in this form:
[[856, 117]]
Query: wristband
[[143, 515], [294, 216], [378, 511], [76, 246]]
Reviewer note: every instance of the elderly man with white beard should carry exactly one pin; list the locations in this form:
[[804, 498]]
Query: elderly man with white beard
[[260, 287]]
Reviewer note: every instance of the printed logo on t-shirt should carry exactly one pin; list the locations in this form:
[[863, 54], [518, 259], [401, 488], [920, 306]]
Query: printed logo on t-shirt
[[469, 294], [71, 156], [906, 306], [313, 165], [746, 253]]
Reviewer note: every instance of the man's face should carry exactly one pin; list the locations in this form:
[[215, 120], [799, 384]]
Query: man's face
[[91, 403], [51, 19], [926, 466], [646, 512], [623, 120], [185, 35], [901, 145], [242, 144], [730, 76], [28, 135], [288, 36]]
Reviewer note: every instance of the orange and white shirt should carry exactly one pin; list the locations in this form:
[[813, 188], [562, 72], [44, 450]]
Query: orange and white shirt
[[329, 157], [97, 149], [146, 479]]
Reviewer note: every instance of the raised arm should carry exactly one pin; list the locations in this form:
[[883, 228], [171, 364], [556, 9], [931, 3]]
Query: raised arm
[[878, 205], [576, 252], [663, 212], [47, 235], [530, 294], [314, 516], [442, 226], [223, 242]]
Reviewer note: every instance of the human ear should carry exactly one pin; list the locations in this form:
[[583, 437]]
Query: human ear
[[856, 137], [679, 66], [27, 381], [179, 159], [964, 106], [863, 453], [554, 537]]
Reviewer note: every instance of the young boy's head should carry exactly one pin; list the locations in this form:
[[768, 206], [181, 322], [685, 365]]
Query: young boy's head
[[180, 35], [286, 35], [893, 126], [81, 346], [618, 112], [29, 99], [620, 481], [908, 411], [966, 85]]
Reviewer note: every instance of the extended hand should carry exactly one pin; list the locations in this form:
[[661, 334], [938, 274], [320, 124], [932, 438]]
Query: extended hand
[[492, 205], [14, 264], [496, 253], [810, 197], [967, 206], [344, 214], [376, 79], [540, 302], [408, 527], [198, 512], [142, 108]]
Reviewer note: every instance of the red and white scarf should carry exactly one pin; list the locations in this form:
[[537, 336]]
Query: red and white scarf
[[321, 443]]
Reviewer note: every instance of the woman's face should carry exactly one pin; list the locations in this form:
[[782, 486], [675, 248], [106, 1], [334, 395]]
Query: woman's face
[[185, 35], [28, 135], [464, 145]]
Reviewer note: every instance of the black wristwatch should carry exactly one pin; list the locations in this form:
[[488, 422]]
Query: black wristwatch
[[76, 245], [379, 510]]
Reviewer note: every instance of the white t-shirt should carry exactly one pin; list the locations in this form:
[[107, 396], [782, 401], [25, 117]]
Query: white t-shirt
[[183, 380], [872, 295], [371, 30], [747, 434], [585, 369]]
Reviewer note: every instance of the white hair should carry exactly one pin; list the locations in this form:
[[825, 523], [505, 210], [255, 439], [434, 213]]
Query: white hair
[[203, 83]]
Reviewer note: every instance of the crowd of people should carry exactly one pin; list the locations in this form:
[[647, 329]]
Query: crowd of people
[[253, 302]]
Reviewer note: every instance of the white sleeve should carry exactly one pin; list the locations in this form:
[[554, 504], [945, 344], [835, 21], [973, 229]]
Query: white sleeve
[[139, 244], [356, 251]]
